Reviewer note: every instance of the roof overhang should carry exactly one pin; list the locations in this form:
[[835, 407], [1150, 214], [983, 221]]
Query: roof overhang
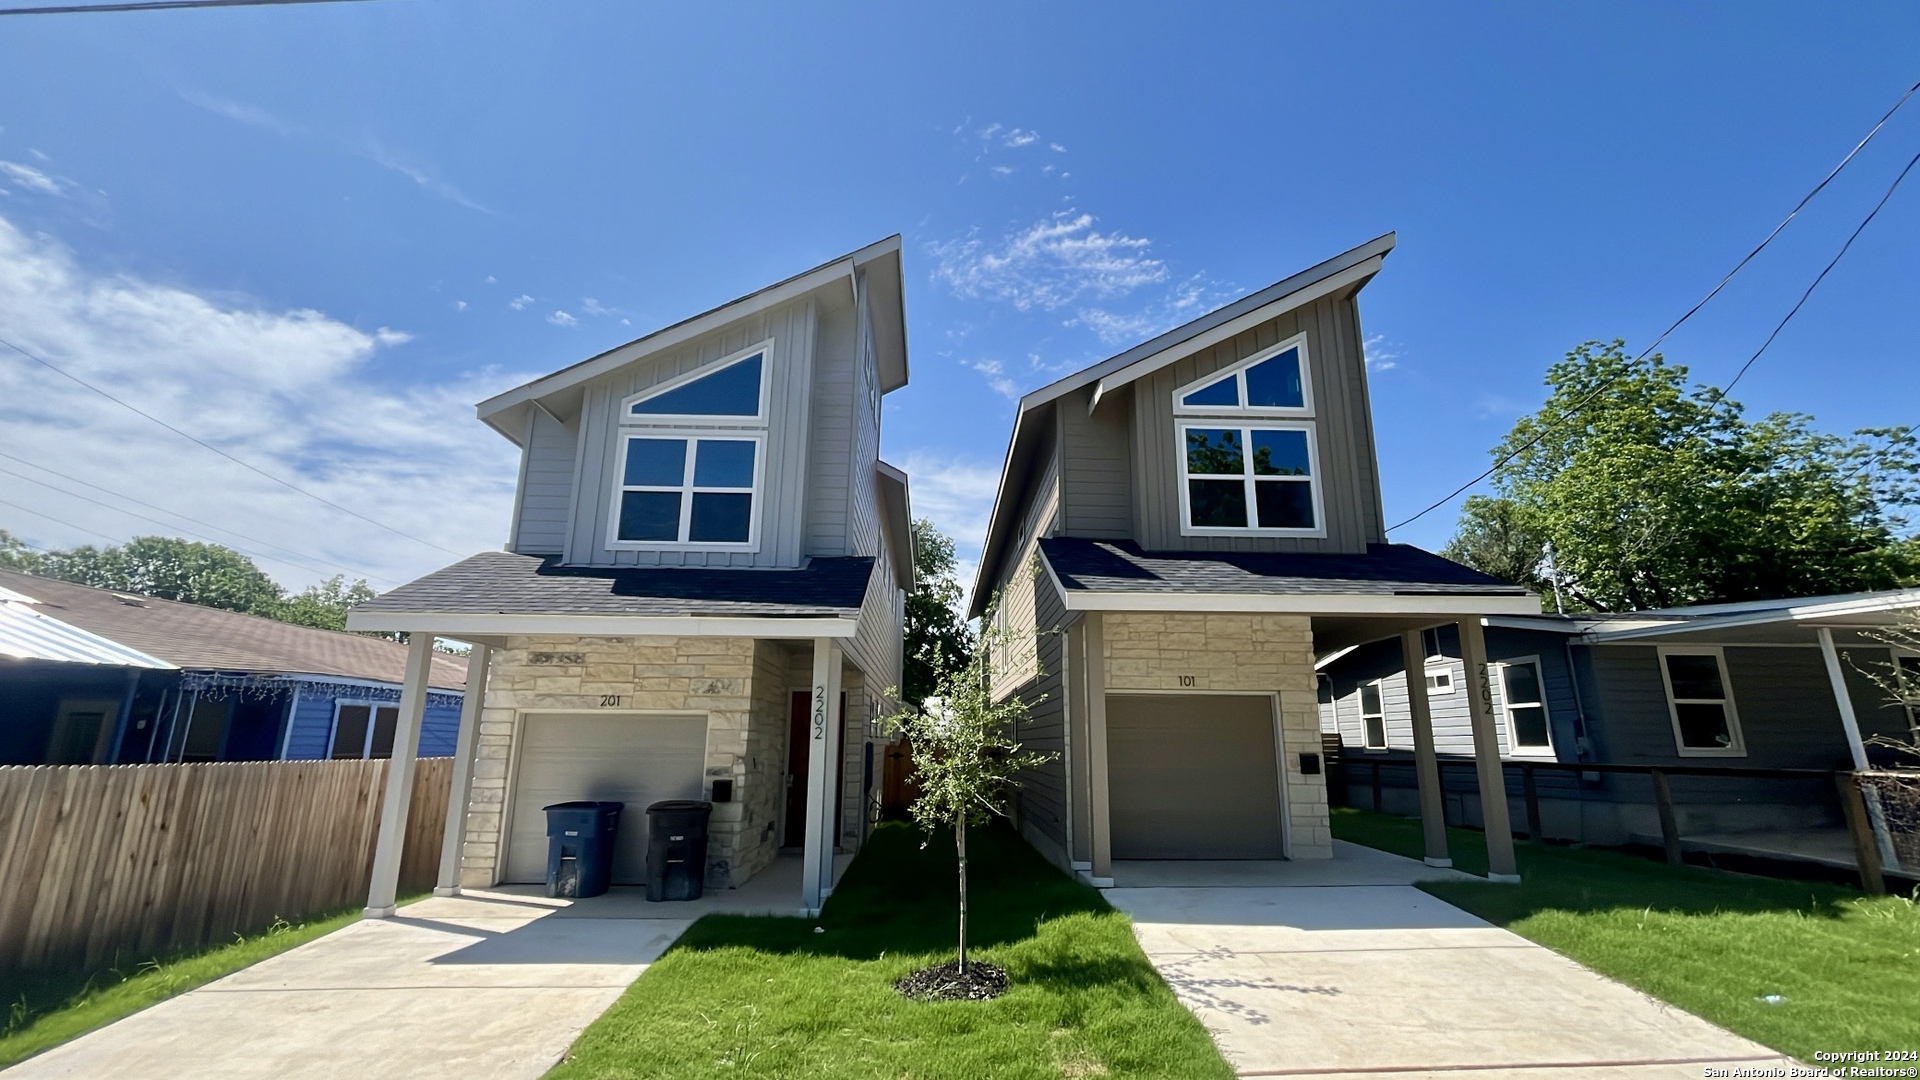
[[1860, 611], [896, 520], [877, 266], [26, 634], [458, 624], [1436, 604]]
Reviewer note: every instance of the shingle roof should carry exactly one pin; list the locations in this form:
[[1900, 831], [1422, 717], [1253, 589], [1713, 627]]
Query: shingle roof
[[210, 639], [503, 583], [1120, 566]]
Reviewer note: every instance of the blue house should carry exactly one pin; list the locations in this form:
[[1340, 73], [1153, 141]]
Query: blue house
[[94, 676]]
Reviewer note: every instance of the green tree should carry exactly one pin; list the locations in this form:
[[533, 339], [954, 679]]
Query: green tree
[[171, 569], [966, 756], [16, 555], [936, 635], [1491, 539], [324, 605], [1655, 493]]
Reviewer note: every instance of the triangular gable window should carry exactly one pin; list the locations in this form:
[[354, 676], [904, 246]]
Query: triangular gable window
[[733, 390], [1274, 382]]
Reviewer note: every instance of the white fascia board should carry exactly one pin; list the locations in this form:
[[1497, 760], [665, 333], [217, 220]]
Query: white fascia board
[[1810, 614], [1302, 604], [455, 624], [1328, 660], [1272, 309], [791, 289], [1553, 624]]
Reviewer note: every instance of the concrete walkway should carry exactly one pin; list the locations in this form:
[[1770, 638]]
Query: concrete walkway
[[1299, 970], [493, 984]]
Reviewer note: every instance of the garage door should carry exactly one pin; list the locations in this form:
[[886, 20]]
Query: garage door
[[637, 760], [1192, 776]]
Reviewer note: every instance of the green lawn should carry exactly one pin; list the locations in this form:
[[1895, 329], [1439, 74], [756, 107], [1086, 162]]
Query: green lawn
[[770, 997], [46, 1009], [1715, 943]]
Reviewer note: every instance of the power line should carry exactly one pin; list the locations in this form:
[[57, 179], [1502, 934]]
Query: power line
[[156, 5], [1664, 334], [57, 521], [173, 513], [142, 517], [49, 365]]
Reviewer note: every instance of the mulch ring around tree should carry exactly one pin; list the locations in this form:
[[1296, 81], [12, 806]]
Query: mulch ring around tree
[[980, 982]]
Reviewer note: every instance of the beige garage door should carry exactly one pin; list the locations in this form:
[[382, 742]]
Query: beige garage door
[[1192, 776], [637, 760]]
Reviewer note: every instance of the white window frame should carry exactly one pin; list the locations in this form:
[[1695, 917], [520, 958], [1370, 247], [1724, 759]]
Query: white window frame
[[1238, 370], [759, 419], [1360, 700], [1739, 744], [373, 721], [1247, 427], [1514, 749], [1440, 670], [691, 428]]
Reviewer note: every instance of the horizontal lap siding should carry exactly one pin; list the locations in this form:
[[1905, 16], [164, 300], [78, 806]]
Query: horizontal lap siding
[[1452, 719], [1349, 480], [791, 328], [1043, 791], [844, 413], [1096, 467], [831, 451], [546, 493], [312, 727]]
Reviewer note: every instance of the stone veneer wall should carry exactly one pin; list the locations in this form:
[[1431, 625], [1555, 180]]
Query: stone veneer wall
[[1252, 653], [723, 677]]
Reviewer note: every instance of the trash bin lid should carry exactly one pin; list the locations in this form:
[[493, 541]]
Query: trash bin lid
[[604, 807], [680, 806]]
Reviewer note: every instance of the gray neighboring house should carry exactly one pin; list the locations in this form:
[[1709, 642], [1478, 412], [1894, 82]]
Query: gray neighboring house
[[701, 594], [1768, 684], [1179, 532]]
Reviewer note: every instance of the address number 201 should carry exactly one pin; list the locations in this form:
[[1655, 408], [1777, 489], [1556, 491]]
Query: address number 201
[[610, 701]]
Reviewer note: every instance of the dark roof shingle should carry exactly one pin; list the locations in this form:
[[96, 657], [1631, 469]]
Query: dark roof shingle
[[1120, 566]]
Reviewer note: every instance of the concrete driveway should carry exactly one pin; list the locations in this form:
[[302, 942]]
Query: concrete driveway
[[1344, 969], [487, 985]]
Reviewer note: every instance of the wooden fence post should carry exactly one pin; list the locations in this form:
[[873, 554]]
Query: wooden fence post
[[1532, 793], [1866, 849], [1669, 825]]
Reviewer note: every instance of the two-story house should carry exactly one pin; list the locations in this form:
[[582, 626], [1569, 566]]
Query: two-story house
[[702, 590], [1179, 532]]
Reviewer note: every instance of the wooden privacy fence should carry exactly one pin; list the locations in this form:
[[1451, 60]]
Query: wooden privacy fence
[[107, 863]]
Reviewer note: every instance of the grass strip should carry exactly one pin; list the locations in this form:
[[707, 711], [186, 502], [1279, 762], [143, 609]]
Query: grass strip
[[775, 997], [1799, 966]]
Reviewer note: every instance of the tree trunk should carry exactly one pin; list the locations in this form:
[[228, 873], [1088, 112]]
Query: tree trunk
[[960, 841]]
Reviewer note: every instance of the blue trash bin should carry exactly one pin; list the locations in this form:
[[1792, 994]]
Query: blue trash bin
[[580, 839]]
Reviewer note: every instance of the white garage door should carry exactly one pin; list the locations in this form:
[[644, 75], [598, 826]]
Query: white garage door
[[637, 760], [1192, 776]]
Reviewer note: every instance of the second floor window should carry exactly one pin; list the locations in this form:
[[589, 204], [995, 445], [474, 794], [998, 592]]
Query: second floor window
[[1248, 479], [683, 487]]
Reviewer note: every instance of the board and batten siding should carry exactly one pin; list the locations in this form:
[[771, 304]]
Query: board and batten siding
[[546, 486], [1349, 475], [784, 476], [1096, 466]]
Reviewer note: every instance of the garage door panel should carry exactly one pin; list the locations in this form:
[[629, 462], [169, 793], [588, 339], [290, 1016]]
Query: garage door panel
[[637, 760], [1193, 776]]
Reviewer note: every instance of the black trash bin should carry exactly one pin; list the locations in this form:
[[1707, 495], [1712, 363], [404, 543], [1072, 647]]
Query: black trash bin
[[677, 849], [580, 847]]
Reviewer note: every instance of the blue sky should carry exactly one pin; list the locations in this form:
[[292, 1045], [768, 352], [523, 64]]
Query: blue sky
[[314, 236]]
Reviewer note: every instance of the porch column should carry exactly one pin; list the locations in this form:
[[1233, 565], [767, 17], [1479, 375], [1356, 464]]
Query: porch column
[[816, 859], [1079, 834], [1486, 756], [1426, 763], [1098, 818], [385, 886], [1850, 723], [461, 790]]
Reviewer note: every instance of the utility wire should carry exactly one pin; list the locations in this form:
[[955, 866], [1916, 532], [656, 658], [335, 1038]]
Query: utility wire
[[57, 521], [155, 5], [172, 513], [49, 365], [1664, 334]]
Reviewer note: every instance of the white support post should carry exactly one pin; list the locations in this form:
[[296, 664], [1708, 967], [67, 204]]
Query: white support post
[[455, 837], [1850, 723], [384, 888], [1494, 815], [1426, 762], [1099, 817], [816, 862]]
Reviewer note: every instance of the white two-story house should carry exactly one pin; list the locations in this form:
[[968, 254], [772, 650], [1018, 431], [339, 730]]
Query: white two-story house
[[701, 593]]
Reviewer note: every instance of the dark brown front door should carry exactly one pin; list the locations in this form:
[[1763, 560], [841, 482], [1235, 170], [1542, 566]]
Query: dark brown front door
[[800, 710]]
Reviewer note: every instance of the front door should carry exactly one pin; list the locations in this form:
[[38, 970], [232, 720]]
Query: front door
[[799, 713]]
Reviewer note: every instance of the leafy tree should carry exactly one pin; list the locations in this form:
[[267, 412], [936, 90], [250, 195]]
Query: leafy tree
[[325, 604], [936, 635], [1655, 493], [16, 555], [1491, 539], [171, 569], [966, 756]]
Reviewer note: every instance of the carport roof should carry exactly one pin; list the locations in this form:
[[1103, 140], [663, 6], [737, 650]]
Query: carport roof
[[501, 583]]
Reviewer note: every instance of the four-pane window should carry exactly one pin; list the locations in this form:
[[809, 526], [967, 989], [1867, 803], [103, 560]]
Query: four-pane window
[[1704, 720], [1248, 477], [696, 490], [1373, 716], [1528, 731]]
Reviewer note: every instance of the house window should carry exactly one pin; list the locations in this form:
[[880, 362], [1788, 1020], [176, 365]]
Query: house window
[[1248, 479], [1440, 682], [678, 487], [1528, 731], [1274, 381], [1373, 717], [363, 730], [1700, 704]]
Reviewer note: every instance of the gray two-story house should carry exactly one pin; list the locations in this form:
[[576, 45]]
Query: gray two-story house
[[1179, 531], [702, 589]]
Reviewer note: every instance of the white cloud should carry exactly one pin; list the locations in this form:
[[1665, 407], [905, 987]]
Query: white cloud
[[296, 393], [956, 494], [520, 302], [491, 280], [1018, 138], [1056, 148], [1002, 170], [1056, 261], [561, 318], [1379, 356], [459, 305], [33, 179], [594, 307], [996, 375], [1182, 303]]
